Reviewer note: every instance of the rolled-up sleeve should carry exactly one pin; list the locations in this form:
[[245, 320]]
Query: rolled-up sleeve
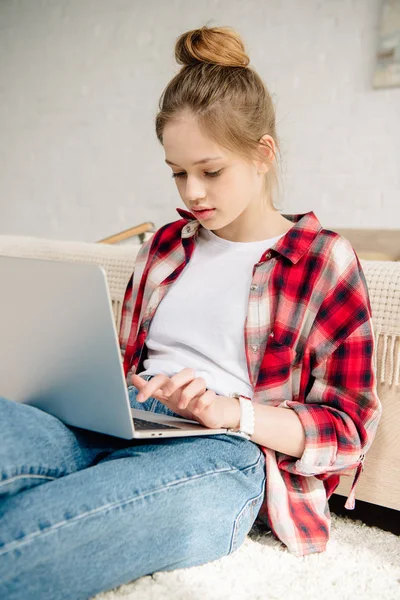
[[341, 410], [341, 413]]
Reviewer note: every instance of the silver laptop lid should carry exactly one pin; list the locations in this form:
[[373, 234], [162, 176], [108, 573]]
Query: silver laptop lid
[[59, 348]]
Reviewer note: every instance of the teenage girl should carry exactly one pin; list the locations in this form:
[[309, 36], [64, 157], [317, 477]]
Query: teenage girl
[[235, 316]]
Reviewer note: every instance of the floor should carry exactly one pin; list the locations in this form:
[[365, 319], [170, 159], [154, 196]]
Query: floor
[[387, 519]]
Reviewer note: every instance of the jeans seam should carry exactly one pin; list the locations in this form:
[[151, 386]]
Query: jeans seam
[[17, 544], [255, 465], [25, 475], [153, 404], [254, 500]]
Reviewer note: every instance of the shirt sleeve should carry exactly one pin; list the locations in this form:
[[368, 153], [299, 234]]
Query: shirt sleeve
[[341, 410]]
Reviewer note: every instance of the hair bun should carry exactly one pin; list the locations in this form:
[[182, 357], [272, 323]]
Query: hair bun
[[215, 45]]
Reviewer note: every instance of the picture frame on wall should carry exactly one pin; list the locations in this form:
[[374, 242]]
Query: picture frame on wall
[[387, 69]]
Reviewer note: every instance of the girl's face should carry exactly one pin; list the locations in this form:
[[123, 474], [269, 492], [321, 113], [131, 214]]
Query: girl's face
[[225, 182]]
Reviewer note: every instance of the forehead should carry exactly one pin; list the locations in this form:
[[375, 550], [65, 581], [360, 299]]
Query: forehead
[[184, 141]]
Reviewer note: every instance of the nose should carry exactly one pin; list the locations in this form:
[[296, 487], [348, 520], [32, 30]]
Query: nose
[[194, 189]]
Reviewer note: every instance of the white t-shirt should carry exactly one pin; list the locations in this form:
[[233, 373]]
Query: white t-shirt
[[200, 321]]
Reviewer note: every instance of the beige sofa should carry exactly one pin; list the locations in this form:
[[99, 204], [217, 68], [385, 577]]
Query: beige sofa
[[379, 483]]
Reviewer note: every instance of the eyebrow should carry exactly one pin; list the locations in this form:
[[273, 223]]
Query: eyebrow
[[202, 161]]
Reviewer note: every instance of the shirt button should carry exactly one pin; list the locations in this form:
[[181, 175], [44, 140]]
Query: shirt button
[[254, 348], [253, 286], [187, 228], [268, 255]]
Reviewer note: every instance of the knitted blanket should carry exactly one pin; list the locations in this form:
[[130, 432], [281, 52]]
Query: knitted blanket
[[383, 280]]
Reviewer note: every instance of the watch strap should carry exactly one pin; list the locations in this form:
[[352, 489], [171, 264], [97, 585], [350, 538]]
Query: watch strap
[[246, 426]]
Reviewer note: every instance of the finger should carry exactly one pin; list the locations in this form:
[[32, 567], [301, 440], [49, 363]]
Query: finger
[[152, 387], [191, 391], [137, 381], [204, 401], [179, 380]]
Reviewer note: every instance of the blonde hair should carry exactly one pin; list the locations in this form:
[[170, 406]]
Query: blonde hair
[[227, 97]]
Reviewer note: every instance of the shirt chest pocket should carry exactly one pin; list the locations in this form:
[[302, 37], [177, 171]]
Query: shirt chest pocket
[[278, 364]]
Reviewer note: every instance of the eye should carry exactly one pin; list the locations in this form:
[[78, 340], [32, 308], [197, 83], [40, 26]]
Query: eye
[[213, 174]]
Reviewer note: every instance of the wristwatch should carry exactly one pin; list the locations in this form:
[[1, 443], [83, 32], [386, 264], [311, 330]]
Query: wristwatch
[[246, 427]]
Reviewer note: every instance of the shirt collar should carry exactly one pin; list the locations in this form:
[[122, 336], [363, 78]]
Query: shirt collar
[[293, 245]]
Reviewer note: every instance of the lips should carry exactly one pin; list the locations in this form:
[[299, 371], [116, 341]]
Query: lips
[[204, 214]]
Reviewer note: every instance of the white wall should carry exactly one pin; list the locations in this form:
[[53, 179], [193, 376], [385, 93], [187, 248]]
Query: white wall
[[80, 82]]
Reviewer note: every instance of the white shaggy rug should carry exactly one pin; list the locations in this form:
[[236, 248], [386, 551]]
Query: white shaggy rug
[[361, 562]]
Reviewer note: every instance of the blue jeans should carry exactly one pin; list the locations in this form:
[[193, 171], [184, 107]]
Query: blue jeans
[[83, 512]]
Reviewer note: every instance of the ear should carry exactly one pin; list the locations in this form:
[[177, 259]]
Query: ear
[[267, 150]]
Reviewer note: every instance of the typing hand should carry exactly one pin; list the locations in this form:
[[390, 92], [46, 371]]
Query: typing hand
[[185, 395]]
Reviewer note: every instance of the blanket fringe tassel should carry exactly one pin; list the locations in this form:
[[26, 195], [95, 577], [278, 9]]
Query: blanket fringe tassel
[[388, 348]]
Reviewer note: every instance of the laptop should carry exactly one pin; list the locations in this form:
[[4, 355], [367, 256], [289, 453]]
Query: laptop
[[59, 351]]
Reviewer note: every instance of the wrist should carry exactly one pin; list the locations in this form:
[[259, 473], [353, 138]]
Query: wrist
[[232, 413]]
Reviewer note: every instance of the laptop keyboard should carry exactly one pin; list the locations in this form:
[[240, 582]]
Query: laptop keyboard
[[143, 424]]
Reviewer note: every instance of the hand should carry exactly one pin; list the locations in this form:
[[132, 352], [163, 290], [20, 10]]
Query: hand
[[187, 396]]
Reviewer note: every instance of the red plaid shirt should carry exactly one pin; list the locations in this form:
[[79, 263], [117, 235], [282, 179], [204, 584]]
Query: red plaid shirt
[[313, 353]]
